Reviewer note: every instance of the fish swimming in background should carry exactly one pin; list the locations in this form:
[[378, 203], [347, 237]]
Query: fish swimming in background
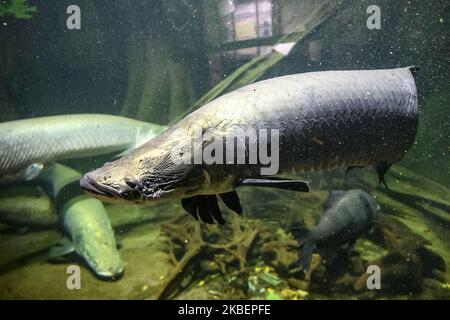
[[28, 207], [85, 222], [349, 214], [26, 145], [325, 120]]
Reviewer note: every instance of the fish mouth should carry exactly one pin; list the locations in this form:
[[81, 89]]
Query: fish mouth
[[127, 193], [90, 185], [110, 276]]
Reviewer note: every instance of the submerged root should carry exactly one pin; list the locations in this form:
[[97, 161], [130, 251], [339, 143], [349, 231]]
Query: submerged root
[[197, 241]]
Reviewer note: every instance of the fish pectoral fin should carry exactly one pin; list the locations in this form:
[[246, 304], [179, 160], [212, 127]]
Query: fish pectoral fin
[[231, 200], [191, 206], [63, 248], [214, 209], [204, 210], [32, 171], [203, 207], [286, 184]]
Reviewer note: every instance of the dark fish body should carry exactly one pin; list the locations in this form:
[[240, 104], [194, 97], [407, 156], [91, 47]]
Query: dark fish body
[[325, 120], [349, 215]]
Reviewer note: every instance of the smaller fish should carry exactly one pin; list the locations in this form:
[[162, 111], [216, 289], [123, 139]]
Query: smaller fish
[[91, 236], [85, 222], [24, 175], [27, 145], [26, 206], [349, 214]]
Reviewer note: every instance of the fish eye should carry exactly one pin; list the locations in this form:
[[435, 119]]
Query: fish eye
[[131, 182]]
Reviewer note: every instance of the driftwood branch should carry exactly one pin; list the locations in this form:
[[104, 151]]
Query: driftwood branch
[[238, 243]]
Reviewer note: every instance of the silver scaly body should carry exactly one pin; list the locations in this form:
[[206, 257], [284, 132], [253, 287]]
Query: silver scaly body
[[326, 119], [47, 139]]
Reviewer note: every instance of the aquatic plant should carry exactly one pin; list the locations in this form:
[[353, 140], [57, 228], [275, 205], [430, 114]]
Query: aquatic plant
[[19, 9], [262, 258], [193, 237]]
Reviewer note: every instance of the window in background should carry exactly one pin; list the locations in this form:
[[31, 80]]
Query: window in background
[[264, 18], [246, 20]]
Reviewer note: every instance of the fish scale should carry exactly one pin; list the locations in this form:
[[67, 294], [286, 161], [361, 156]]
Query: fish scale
[[373, 113]]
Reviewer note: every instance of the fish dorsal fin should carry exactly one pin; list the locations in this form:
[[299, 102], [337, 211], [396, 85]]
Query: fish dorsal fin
[[273, 182]]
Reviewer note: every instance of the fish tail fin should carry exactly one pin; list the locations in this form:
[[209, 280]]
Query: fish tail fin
[[414, 70], [307, 249]]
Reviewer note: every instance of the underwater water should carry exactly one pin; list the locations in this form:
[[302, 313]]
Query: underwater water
[[158, 61]]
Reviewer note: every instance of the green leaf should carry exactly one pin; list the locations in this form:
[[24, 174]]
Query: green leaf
[[18, 9]]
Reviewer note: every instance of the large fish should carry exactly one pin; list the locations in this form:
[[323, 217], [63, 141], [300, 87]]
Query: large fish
[[349, 214], [26, 145], [325, 120], [84, 221]]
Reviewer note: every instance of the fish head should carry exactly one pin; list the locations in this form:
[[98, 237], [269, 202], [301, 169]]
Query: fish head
[[157, 171], [104, 259]]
